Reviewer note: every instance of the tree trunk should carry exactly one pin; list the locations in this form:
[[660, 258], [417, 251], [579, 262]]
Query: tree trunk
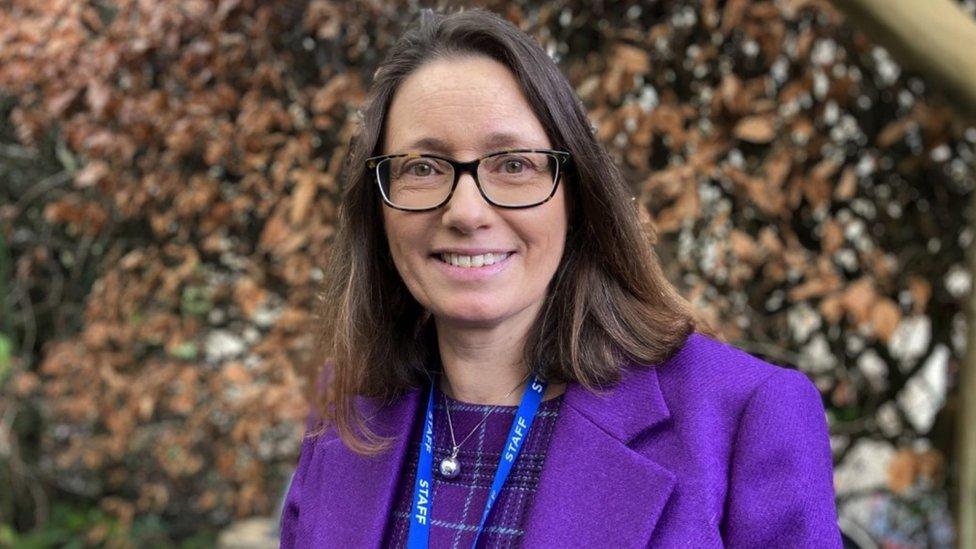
[[938, 39]]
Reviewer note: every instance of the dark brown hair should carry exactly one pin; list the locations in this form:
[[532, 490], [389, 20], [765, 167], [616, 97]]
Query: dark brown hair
[[609, 300]]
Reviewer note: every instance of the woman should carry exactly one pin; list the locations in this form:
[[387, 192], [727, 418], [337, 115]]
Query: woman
[[508, 364]]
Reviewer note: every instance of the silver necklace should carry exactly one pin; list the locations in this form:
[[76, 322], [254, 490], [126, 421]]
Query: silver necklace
[[450, 467]]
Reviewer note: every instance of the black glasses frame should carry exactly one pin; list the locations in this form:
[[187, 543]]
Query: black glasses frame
[[562, 158]]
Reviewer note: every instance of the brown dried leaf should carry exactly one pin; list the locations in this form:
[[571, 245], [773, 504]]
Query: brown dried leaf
[[759, 193], [275, 233], [330, 95], [292, 319], [25, 383], [858, 299], [91, 174], [249, 296], [57, 104], [98, 97], [235, 373], [777, 168], [832, 309], [631, 59], [732, 96], [815, 287], [743, 246], [816, 191], [894, 132], [833, 236], [732, 15], [306, 185], [85, 216], [802, 130], [769, 242], [688, 206], [759, 129], [902, 470], [825, 170], [921, 291], [885, 316], [847, 187]]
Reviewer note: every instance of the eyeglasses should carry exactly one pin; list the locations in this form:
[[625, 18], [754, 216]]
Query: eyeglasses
[[520, 178]]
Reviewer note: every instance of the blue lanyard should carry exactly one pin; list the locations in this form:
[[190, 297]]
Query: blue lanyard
[[420, 514]]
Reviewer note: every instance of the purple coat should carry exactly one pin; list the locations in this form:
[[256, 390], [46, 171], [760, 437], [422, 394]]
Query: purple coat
[[712, 447]]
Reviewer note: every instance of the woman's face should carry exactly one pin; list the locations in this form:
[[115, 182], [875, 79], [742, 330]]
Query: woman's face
[[464, 108]]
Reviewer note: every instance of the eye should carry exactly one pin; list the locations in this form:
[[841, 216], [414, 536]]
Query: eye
[[419, 168], [513, 165]]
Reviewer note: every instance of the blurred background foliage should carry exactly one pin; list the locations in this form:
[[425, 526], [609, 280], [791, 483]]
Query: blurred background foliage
[[168, 187]]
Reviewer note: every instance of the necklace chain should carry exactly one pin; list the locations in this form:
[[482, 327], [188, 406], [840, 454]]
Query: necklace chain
[[455, 446]]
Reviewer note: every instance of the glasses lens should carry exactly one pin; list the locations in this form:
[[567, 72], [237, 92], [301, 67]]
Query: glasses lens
[[415, 182], [518, 178]]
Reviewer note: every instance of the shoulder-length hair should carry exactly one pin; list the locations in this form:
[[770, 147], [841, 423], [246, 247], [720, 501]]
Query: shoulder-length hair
[[608, 303]]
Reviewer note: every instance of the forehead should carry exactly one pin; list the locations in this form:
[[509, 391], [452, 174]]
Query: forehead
[[461, 105]]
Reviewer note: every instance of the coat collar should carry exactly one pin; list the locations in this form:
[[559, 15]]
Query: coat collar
[[595, 490], [358, 491], [590, 483]]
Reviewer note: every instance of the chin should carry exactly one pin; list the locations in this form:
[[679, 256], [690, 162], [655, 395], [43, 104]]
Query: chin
[[472, 318], [473, 313]]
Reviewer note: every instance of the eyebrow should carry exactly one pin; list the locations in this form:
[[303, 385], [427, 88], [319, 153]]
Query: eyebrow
[[491, 142]]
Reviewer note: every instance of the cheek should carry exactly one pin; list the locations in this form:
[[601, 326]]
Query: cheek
[[555, 224], [394, 234], [403, 238], [546, 239]]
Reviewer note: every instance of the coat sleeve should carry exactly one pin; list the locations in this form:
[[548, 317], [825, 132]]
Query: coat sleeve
[[781, 490], [291, 509]]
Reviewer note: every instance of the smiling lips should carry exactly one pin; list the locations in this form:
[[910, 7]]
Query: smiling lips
[[470, 261]]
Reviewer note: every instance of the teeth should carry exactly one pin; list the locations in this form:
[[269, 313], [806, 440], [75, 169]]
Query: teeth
[[469, 261]]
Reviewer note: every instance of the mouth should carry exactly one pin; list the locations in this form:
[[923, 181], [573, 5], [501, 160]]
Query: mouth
[[472, 261]]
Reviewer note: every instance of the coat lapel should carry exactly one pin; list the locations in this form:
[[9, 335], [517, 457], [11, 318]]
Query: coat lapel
[[360, 490], [595, 491]]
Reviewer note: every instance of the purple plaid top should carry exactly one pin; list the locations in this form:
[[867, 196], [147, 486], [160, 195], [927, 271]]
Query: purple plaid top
[[459, 502]]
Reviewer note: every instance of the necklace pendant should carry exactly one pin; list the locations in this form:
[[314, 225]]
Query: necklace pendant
[[450, 467]]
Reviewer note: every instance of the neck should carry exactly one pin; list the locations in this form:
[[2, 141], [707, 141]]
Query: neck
[[483, 365]]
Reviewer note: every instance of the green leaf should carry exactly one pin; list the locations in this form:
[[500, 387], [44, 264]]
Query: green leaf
[[6, 357], [185, 351], [195, 300]]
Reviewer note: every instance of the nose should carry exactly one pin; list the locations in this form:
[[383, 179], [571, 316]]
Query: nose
[[467, 210]]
